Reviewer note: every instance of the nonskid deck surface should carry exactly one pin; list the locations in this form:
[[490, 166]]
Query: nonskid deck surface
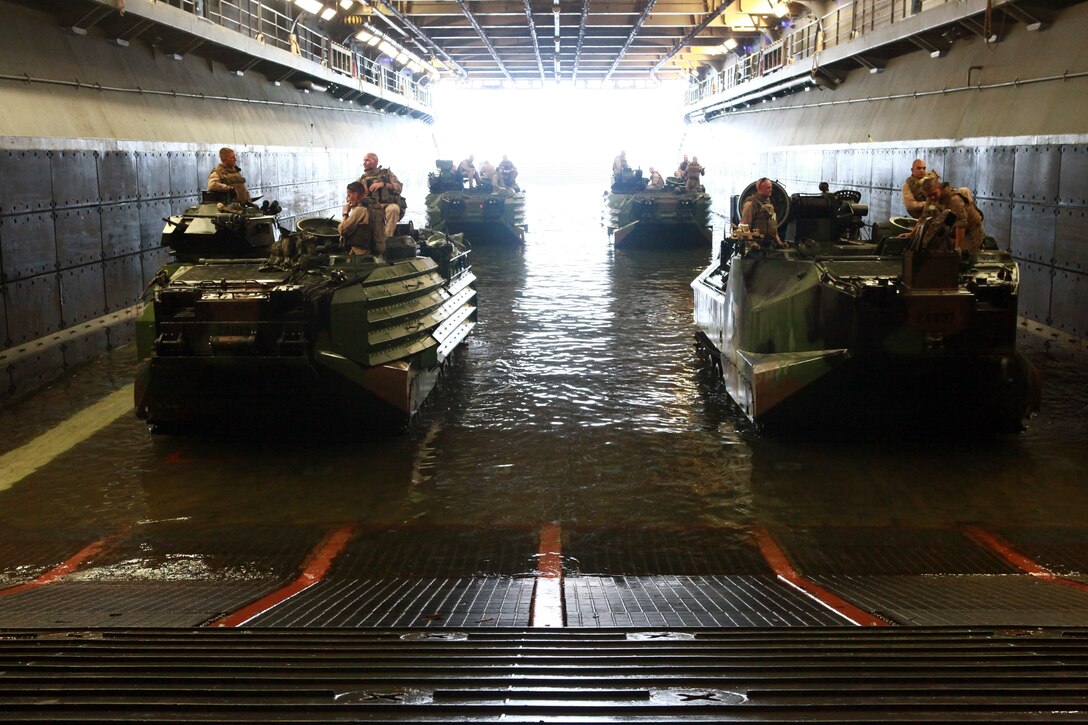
[[178, 574]]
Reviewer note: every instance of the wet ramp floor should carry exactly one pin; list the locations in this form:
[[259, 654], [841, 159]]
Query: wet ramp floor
[[174, 574]]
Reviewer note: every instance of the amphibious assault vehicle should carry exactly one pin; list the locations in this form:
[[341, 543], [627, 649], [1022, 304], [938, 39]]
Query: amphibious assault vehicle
[[671, 216], [252, 323], [831, 329], [485, 213]]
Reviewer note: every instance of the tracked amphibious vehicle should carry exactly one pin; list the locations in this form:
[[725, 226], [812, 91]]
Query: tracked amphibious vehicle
[[250, 323], [638, 216], [485, 213], [832, 330]]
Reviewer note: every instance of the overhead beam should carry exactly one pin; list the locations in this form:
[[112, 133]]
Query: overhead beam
[[933, 50], [557, 37], [426, 38], [581, 38], [483, 37], [630, 38], [532, 33], [1023, 16], [690, 36]]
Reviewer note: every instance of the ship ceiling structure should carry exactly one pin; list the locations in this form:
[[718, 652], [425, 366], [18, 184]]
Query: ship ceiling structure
[[404, 45], [820, 51], [632, 42]]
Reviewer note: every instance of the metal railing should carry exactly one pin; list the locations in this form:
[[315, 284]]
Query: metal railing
[[268, 24], [842, 25]]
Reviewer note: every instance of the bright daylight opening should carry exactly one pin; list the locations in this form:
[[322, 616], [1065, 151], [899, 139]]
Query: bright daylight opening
[[566, 134]]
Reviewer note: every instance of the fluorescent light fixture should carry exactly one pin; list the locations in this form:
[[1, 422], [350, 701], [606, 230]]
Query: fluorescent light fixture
[[362, 36], [346, 4], [374, 41], [310, 6], [730, 44], [328, 13], [780, 10]]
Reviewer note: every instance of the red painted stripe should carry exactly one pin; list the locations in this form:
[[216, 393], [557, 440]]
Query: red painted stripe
[[66, 567], [1005, 550], [550, 562], [314, 570], [547, 609], [785, 571]]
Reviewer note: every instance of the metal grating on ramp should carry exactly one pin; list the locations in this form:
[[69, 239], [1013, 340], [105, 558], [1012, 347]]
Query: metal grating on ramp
[[816, 675], [681, 601], [128, 604], [1062, 550], [435, 602], [695, 551], [25, 554], [1016, 599], [165, 573], [436, 552], [188, 550], [888, 551]]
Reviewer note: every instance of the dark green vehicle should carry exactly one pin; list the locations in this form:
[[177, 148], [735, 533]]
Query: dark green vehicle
[[484, 213], [638, 216], [250, 322], [831, 329]]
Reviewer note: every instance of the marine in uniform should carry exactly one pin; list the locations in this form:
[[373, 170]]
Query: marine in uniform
[[758, 212], [383, 186], [914, 198], [362, 230], [227, 176], [692, 174], [467, 169]]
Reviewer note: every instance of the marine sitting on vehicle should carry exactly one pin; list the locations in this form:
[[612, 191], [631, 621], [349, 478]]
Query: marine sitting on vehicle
[[487, 173], [383, 186], [362, 229], [227, 177], [467, 169], [506, 174]]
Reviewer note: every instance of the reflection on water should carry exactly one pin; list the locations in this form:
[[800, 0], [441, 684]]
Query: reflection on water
[[580, 399]]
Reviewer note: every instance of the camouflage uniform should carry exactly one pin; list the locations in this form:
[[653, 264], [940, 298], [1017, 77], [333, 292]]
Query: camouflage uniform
[[619, 164], [228, 178], [968, 218], [487, 173], [914, 198], [692, 174], [468, 171], [930, 233], [507, 174], [359, 233], [388, 197], [759, 214]]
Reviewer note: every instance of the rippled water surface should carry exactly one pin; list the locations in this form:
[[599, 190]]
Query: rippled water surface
[[580, 399]]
